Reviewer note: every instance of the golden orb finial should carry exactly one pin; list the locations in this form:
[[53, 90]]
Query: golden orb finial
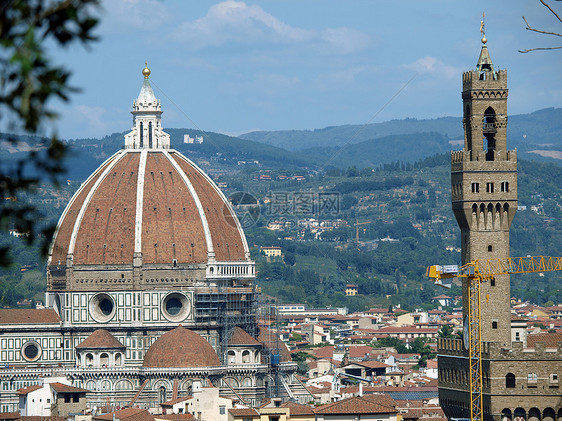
[[146, 70], [484, 39]]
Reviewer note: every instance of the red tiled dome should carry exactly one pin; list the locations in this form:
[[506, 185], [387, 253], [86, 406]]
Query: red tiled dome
[[172, 211], [180, 347]]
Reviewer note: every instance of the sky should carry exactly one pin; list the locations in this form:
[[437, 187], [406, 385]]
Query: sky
[[238, 66]]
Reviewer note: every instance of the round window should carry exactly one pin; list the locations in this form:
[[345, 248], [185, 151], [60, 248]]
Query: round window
[[176, 307], [102, 307], [106, 306], [31, 351], [173, 306]]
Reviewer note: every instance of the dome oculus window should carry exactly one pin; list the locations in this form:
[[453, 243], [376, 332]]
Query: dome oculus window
[[102, 308], [176, 307], [31, 351]]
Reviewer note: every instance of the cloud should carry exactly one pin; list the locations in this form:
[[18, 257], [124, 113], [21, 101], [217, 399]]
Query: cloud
[[434, 66], [124, 15], [235, 22]]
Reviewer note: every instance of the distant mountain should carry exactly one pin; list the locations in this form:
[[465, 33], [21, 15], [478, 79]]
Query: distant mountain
[[537, 136], [88, 154], [540, 130], [384, 150]]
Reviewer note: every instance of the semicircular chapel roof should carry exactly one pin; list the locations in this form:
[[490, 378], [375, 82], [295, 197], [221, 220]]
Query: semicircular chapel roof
[[180, 347]]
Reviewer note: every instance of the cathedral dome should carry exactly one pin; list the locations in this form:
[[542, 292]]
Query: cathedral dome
[[180, 347], [148, 204]]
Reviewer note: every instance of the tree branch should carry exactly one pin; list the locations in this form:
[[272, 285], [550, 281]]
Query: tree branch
[[529, 28], [539, 48], [549, 8]]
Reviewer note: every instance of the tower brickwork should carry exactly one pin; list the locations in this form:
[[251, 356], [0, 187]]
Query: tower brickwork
[[484, 188], [520, 381]]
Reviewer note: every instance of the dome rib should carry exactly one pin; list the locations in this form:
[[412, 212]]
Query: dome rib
[[106, 231], [59, 247], [78, 221], [234, 245], [195, 196], [139, 202]]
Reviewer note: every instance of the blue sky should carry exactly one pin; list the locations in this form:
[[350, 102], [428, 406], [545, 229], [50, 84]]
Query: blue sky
[[235, 66]]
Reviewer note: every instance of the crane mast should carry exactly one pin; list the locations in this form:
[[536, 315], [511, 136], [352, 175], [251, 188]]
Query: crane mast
[[476, 272]]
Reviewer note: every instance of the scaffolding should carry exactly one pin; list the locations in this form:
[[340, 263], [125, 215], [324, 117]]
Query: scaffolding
[[226, 308], [269, 336]]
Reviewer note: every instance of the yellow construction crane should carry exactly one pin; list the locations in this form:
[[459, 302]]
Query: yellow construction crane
[[476, 272], [357, 223]]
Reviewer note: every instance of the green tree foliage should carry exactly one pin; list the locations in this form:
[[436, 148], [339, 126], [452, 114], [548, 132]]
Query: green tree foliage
[[29, 82], [419, 346], [390, 342], [446, 331]]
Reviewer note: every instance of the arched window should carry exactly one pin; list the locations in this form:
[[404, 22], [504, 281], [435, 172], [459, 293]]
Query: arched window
[[231, 357], [162, 394], [89, 360], [489, 129], [118, 360], [246, 356], [104, 360], [489, 118], [510, 380]]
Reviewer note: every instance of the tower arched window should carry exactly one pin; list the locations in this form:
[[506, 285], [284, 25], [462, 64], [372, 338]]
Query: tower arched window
[[489, 129], [510, 380], [150, 145], [141, 144]]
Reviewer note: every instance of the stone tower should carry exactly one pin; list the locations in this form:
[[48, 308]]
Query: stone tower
[[484, 188]]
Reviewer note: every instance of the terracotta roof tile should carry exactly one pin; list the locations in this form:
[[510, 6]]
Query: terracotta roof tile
[[370, 364], [324, 352], [100, 338], [175, 417], [356, 405], [41, 418], [129, 414], [66, 223], [29, 389], [550, 339], [180, 347], [29, 316], [10, 416], [64, 388], [244, 412], [241, 337], [175, 401], [298, 409]]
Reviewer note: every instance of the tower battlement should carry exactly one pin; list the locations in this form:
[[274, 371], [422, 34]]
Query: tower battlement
[[474, 79]]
